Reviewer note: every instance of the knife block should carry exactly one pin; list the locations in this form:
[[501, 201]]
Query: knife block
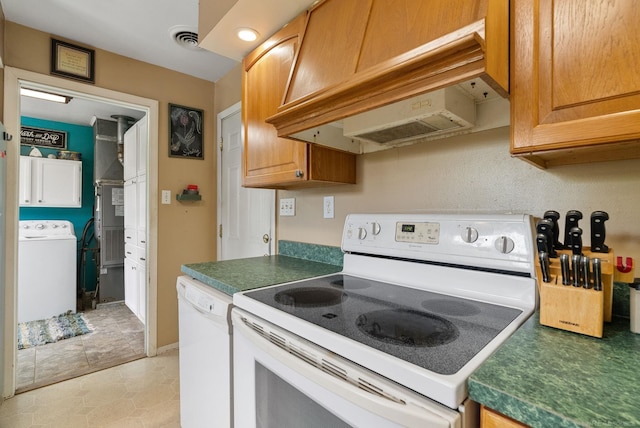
[[577, 309]]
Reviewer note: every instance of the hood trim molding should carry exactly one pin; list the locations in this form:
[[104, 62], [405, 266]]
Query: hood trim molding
[[448, 60]]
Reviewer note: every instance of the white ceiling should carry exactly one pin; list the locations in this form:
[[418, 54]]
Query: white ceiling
[[140, 29]]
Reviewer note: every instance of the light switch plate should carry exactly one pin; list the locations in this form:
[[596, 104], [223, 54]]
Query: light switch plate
[[166, 197], [287, 207], [328, 206]]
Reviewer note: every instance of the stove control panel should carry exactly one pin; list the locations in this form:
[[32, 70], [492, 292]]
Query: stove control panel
[[494, 241], [418, 232]]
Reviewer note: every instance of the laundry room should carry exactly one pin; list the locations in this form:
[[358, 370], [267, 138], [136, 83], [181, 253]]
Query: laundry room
[[72, 315]]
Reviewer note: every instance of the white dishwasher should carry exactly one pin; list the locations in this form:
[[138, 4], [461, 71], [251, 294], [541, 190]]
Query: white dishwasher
[[205, 355]]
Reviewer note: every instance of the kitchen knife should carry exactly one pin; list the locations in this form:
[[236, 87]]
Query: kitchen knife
[[554, 216], [564, 268], [545, 227], [585, 274], [597, 274], [575, 270], [544, 266], [542, 243], [570, 221], [576, 240], [598, 233]]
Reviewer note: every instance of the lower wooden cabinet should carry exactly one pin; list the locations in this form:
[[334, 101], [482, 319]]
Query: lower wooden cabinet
[[489, 418]]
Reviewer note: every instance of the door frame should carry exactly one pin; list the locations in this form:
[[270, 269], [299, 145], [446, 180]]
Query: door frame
[[14, 78], [229, 111]]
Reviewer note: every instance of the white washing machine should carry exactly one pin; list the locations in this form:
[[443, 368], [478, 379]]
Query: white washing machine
[[46, 269]]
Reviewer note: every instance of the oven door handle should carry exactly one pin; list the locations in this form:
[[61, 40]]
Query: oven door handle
[[365, 389]]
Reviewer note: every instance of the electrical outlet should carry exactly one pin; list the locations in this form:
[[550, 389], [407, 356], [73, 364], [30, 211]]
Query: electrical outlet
[[166, 197], [327, 209], [287, 207]]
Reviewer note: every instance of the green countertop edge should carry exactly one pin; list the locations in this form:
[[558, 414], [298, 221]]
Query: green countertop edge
[[545, 377]]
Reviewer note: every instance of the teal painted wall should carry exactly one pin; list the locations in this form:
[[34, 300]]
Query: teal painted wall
[[79, 139]]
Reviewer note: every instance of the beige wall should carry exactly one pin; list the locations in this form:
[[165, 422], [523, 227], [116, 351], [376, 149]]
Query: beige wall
[[473, 172], [185, 230], [470, 173]]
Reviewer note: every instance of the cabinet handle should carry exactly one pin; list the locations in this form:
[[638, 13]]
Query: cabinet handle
[[143, 259], [299, 173]]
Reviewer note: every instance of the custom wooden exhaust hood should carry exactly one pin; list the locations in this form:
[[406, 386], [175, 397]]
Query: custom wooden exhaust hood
[[357, 55]]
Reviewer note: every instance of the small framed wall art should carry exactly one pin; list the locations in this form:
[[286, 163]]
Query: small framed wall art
[[185, 132], [74, 62]]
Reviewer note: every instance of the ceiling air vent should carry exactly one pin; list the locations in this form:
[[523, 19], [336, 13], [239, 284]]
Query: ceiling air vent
[[185, 37]]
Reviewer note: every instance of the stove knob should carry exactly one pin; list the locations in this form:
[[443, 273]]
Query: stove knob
[[504, 244], [55, 226], [39, 226], [469, 235], [362, 233], [375, 228]]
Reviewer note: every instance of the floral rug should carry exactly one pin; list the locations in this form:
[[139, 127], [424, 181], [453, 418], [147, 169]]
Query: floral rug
[[64, 326]]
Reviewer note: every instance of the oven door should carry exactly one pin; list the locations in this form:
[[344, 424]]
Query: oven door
[[282, 380]]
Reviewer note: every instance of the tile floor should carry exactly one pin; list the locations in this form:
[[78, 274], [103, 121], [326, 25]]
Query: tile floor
[[117, 337], [143, 393]]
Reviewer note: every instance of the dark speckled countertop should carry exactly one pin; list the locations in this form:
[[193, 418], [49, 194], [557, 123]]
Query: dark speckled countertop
[[546, 377], [296, 261]]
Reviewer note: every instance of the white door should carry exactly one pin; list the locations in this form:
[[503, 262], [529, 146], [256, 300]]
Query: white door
[[246, 217]]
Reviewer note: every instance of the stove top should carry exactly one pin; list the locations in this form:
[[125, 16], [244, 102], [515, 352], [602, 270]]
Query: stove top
[[422, 299], [436, 332]]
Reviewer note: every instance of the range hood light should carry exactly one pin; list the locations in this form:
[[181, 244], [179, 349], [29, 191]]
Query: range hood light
[[247, 34], [45, 96]]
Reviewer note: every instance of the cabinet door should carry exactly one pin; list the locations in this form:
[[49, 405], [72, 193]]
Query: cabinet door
[[142, 292], [141, 208], [130, 205], [58, 183], [576, 87], [131, 292], [269, 159], [130, 152], [141, 156], [25, 181]]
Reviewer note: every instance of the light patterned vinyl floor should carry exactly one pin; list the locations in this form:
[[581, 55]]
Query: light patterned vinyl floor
[[117, 337], [144, 393]]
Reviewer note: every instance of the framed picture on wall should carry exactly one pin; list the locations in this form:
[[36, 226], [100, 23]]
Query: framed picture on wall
[[72, 61], [185, 132], [40, 137]]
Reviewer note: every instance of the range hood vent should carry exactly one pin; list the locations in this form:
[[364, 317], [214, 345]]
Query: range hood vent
[[438, 113]]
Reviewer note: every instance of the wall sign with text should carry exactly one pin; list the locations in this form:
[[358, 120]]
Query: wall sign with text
[[40, 137]]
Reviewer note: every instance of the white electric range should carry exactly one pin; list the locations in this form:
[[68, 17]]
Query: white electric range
[[391, 340]]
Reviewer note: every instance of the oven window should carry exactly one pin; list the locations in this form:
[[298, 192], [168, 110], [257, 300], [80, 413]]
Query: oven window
[[278, 404]]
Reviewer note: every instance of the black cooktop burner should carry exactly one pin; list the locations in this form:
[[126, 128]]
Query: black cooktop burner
[[407, 327], [434, 331], [310, 297]]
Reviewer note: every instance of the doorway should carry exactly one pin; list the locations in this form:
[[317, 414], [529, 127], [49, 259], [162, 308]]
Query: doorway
[[246, 216], [14, 80]]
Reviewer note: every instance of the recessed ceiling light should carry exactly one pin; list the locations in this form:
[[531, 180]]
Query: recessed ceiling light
[[247, 34], [45, 95]]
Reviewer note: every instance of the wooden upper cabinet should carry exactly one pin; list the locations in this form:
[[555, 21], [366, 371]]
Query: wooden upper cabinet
[[575, 94], [356, 55], [270, 161]]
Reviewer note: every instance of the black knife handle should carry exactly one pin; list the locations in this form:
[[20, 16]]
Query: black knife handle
[[576, 240], [545, 227], [575, 270], [570, 221], [554, 216], [598, 233], [597, 274], [544, 266], [542, 243], [565, 269]]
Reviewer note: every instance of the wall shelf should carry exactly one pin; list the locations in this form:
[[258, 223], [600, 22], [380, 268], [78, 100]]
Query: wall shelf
[[188, 197]]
